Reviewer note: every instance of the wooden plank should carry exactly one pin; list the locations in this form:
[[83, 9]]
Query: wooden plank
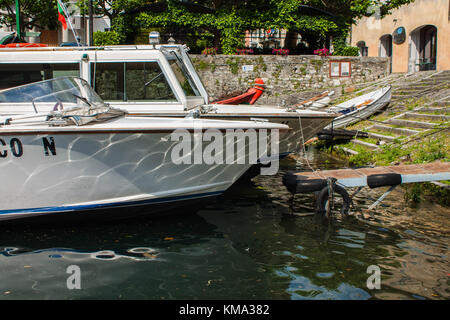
[[436, 171]]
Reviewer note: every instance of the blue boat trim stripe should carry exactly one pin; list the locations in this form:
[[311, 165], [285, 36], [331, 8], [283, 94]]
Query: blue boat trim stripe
[[111, 205]]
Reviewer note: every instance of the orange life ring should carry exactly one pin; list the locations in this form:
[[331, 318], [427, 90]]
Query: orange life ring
[[25, 45]]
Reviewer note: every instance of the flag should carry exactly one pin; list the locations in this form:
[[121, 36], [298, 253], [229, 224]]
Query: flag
[[61, 16]]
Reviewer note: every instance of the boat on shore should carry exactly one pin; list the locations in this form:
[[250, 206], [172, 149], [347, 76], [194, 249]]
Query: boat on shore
[[151, 81], [360, 108], [250, 97], [85, 155], [318, 102]]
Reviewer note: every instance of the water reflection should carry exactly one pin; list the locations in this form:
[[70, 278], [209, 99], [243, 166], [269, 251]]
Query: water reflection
[[244, 245]]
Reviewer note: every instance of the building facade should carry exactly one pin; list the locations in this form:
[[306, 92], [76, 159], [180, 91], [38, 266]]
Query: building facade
[[416, 36]]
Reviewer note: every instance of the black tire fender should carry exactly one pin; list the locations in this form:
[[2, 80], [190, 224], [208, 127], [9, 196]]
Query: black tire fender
[[310, 185], [322, 200], [296, 184], [384, 180]]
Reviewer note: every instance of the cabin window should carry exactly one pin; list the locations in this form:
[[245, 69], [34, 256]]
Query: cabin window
[[130, 81], [12, 74]]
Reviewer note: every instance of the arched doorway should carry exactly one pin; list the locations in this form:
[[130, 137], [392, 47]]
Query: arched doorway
[[363, 49], [423, 49], [385, 48]]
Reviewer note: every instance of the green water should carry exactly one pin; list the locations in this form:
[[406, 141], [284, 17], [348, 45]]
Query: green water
[[245, 244]]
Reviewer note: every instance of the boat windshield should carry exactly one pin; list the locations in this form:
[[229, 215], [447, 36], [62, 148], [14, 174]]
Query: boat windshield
[[59, 93], [178, 67]]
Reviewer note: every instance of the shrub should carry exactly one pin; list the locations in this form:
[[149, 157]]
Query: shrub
[[322, 52], [346, 51], [106, 38], [209, 51]]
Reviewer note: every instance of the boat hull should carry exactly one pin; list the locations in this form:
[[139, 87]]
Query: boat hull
[[301, 128], [378, 104], [62, 172]]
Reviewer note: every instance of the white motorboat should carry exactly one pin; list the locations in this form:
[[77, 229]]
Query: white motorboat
[[148, 81], [360, 108], [85, 155]]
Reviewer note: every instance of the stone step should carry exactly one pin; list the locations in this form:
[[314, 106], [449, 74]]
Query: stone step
[[406, 92], [411, 123], [414, 88], [440, 184], [366, 144], [350, 151], [441, 103], [381, 136], [437, 117], [397, 97], [431, 109], [442, 77], [400, 131], [433, 82]]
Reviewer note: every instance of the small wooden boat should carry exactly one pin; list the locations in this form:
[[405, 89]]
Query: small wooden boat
[[317, 102], [360, 108], [249, 97]]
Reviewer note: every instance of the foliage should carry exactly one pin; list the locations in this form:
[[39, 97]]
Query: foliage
[[107, 38], [346, 51], [209, 51], [108, 8], [34, 13], [231, 19], [341, 48], [225, 20]]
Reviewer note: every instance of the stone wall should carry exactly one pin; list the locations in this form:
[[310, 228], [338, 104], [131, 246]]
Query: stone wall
[[288, 78]]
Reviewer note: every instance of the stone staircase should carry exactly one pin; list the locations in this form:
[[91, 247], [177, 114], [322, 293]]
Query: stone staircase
[[420, 103], [426, 84]]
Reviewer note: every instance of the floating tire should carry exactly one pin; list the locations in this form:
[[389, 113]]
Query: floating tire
[[384, 180], [322, 200]]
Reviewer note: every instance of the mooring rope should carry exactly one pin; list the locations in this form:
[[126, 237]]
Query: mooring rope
[[303, 144]]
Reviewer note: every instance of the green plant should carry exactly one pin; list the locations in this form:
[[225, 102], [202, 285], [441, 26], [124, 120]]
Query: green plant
[[317, 63], [412, 193], [234, 66], [106, 38], [346, 51], [209, 51]]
